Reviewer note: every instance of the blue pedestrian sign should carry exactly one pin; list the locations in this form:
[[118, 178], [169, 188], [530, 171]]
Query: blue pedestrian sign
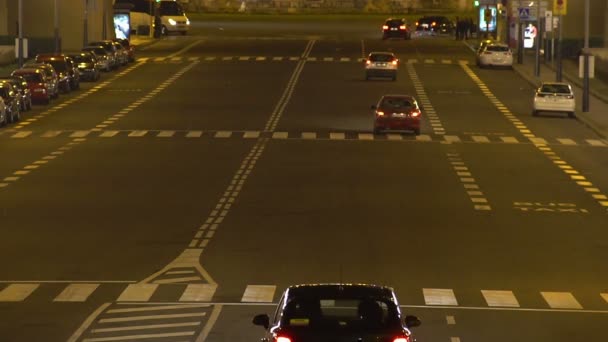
[[524, 12]]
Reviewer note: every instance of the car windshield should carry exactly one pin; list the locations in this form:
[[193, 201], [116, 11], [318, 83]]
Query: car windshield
[[58, 65], [97, 51], [381, 58], [32, 77], [354, 314], [170, 8], [497, 48], [82, 59], [397, 103], [555, 89], [394, 22]]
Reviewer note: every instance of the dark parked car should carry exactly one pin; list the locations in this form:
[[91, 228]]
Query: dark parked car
[[21, 85], [113, 55], [37, 82], [395, 28], [128, 47], [69, 76], [104, 59], [435, 24], [86, 62], [337, 312], [12, 101]]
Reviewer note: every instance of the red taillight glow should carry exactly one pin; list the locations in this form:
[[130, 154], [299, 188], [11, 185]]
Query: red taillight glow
[[368, 62], [379, 113], [395, 62], [385, 27], [433, 24], [402, 27], [416, 113], [286, 339], [401, 339]]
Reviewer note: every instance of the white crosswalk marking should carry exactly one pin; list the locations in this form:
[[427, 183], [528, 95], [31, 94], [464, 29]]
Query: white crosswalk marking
[[392, 136], [423, 137], [79, 134], [227, 58], [198, 293], [561, 300], [108, 134], [76, 293], [211, 58], [51, 134], [595, 142], [337, 136], [260, 58], [176, 59], [439, 297], [446, 61], [244, 58], [344, 59], [223, 134], [194, 59], [311, 59], [294, 58], [277, 58], [309, 135], [251, 134], [328, 59], [137, 293], [165, 134], [159, 59], [566, 141], [365, 136], [605, 296], [17, 292], [509, 140], [138, 134], [22, 134], [500, 298], [280, 135], [451, 138], [259, 294], [480, 139], [538, 141], [194, 134]]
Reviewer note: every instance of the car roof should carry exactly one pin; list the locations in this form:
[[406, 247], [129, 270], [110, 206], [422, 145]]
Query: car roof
[[403, 96], [340, 290], [555, 83], [28, 70], [381, 53]]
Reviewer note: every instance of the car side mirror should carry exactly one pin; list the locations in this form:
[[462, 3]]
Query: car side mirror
[[412, 321], [262, 320]]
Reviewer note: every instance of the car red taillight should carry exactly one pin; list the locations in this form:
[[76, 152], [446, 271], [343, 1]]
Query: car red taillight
[[385, 27], [379, 113], [416, 113], [401, 339], [395, 62], [368, 62], [402, 27], [282, 339]]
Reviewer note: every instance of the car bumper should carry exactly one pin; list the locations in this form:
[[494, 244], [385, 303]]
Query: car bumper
[[555, 106], [380, 72], [397, 124], [496, 61], [394, 34], [177, 28]]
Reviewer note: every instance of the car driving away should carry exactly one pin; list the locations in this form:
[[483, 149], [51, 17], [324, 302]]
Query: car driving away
[[381, 64], [435, 25], [397, 113], [554, 97], [336, 313], [395, 28], [495, 55]]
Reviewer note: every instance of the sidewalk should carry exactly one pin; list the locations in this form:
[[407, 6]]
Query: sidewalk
[[597, 117]]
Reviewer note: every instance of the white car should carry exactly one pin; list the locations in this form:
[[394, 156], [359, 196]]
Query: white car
[[381, 64], [554, 97], [495, 54], [3, 115]]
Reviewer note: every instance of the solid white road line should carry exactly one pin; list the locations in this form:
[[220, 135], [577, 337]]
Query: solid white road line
[[137, 293], [500, 298], [145, 327], [17, 292], [561, 300], [144, 318], [439, 297], [76, 293], [158, 308], [198, 293], [135, 337], [259, 293]]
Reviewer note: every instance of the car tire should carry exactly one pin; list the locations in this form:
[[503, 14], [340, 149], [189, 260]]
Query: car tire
[[417, 131], [377, 131], [571, 115]]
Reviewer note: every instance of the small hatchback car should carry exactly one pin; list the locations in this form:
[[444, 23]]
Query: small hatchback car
[[495, 54], [337, 312], [381, 64], [554, 97], [397, 113], [396, 28]]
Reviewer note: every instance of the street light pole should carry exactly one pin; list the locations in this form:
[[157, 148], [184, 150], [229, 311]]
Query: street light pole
[[57, 39], [85, 30], [20, 39], [558, 71], [586, 61], [537, 42]]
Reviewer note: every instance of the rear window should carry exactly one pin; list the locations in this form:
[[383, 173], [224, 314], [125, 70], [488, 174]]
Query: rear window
[[395, 22], [497, 48], [58, 65], [97, 51], [555, 89], [381, 58], [82, 59], [326, 314], [397, 103], [31, 77]]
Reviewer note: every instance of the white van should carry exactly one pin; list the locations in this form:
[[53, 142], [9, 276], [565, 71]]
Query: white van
[[172, 15]]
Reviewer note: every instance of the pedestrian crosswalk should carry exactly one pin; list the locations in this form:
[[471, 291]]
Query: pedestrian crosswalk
[[266, 293], [301, 135], [331, 59]]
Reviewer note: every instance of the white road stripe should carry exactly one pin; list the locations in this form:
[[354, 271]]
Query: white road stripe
[[165, 134], [176, 280], [309, 135], [439, 297], [23, 134], [539, 141], [135, 337], [277, 58], [244, 58], [566, 141], [605, 296], [251, 134], [137, 293], [280, 135], [144, 318], [198, 293], [429, 61], [561, 300], [594, 142], [423, 137], [223, 134], [108, 134], [80, 134], [259, 293], [328, 59], [194, 134], [337, 136], [500, 298], [392, 136], [158, 308], [51, 134], [138, 134], [345, 59], [260, 58], [451, 138], [145, 327], [76, 293], [365, 136], [509, 140], [480, 139], [17, 292]]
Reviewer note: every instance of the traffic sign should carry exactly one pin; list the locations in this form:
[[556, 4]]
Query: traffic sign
[[524, 12], [560, 7]]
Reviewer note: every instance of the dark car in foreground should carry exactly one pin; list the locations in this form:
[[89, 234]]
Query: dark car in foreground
[[397, 113], [50, 75], [336, 313], [12, 101], [395, 28], [435, 24], [37, 82], [22, 87], [86, 64]]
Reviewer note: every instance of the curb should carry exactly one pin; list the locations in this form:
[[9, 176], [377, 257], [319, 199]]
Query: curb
[[579, 117]]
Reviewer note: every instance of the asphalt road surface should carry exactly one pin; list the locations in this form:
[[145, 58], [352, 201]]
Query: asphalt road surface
[[180, 195]]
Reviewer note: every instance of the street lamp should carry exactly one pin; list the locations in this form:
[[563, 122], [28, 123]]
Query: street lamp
[[586, 61], [20, 39], [56, 30]]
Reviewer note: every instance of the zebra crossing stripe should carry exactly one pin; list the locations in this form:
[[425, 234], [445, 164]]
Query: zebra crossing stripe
[[223, 134], [79, 134], [509, 140], [277, 58], [480, 139], [138, 134], [251, 135], [165, 134], [594, 142], [605, 296], [280, 135], [194, 134], [337, 136], [439, 297], [566, 141], [309, 135], [365, 136], [51, 134], [423, 137], [23, 134], [108, 134], [561, 300], [76, 293], [500, 298], [198, 293], [451, 138], [17, 292], [137, 293], [259, 294]]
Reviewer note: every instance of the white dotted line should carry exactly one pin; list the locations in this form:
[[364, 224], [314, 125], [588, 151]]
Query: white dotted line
[[466, 178], [428, 108]]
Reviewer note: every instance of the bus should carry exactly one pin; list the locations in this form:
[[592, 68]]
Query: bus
[[172, 15]]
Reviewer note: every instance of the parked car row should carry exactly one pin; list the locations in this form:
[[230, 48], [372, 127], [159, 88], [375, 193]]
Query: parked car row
[[50, 74]]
